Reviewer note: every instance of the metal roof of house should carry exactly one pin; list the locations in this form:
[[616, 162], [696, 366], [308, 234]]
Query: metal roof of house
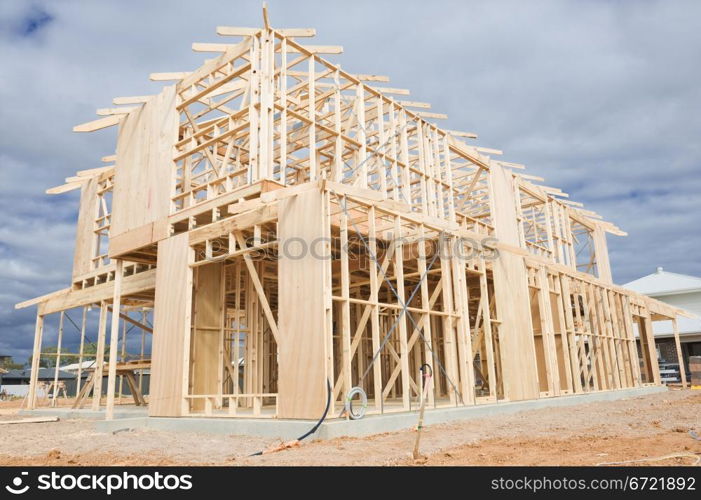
[[74, 366], [663, 282]]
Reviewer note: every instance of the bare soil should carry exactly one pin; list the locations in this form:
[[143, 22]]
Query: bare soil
[[639, 428]]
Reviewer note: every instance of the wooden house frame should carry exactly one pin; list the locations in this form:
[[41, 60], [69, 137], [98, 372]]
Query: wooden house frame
[[290, 226]]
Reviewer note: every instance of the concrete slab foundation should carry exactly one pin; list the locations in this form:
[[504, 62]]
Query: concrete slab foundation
[[123, 412], [135, 418]]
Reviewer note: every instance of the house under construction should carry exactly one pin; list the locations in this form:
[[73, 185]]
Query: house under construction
[[279, 227]]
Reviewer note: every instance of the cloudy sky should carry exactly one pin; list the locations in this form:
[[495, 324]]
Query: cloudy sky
[[602, 98]]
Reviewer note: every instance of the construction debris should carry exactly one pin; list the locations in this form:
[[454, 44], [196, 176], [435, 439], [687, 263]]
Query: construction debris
[[34, 420]]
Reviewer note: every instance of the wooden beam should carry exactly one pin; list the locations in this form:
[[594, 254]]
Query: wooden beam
[[64, 188], [115, 111], [436, 116], [94, 171], [391, 90], [456, 133], [259, 288], [415, 104], [266, 19], [128, 319], [318, 49], [140, 99], [491, 151], [136, 283], [77, 179], [371, 78], [98, 124], [288, 32], [222, 47], [42, 298], [31, 420]]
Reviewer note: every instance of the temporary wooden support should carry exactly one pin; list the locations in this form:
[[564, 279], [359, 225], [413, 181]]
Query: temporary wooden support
[[38, 333], [100, 357], [58, 357], [79, 377]]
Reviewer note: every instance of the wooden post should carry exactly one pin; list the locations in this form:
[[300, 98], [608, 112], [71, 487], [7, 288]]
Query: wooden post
[[123, 355], [143, 348], [303, 355], [650, 335], [547, 332], [516, 343], [338, 142], [171, 328], [402, 318], [568, 330], [237, 335], [375, 312], [36, 359], [682, 369], [222, 363], [449, 340], [425, 304], [58, 357], [114, 339], [462, 325], [207, 330], [80, 352], [346, 356], [601, 253], [265, 159], [362, 136], [488, 332], [99, 357], [283, 114], [404, 154], [311, 109], [253, 116]]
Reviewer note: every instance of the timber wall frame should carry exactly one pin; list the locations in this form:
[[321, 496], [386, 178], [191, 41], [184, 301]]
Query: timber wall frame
[[292, 225]]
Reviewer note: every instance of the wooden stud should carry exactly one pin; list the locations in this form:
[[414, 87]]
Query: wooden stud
[[100, 357], [680, 357], [114, 340]]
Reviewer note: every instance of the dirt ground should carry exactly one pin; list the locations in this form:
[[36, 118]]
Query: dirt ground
[[588, 434]]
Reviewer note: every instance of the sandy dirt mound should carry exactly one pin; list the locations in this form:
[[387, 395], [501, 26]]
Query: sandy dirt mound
[[587, 434]]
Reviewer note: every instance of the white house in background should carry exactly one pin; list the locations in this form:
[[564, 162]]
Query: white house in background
[[73, 367], [682, 291]]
